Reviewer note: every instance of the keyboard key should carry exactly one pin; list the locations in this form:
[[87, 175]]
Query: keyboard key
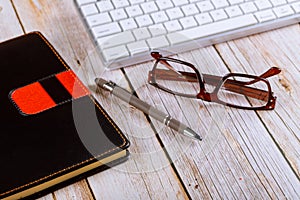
[[248, 7], [283, 11], [81, 2], [159, 17], [174, 13], [114, 53], [211, 29], [203, 18], [158, 42], [128, 24], [98, 19], [188, 22], [218, 15], [263, 4], [149, 7], [138, 47], [157, 29], [104, 6], [233, 2], [132, 2], [141, 33], [115, 40], [265, 15], [180, 2], [205, 6], [172, 26], [144, 20], [106, 29], [220, 3], [133, 25], [120, 3], [164, 4], [296, 7], [190, 9], [233, 11], [118, 14], [278, 2], [89, 9], [193, 1], [133, 11]]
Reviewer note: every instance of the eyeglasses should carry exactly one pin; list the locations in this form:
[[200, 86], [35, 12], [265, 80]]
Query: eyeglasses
[[234, 89]]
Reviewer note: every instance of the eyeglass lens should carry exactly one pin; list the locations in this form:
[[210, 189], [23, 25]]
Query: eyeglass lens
[[244, 92], [177, 78]]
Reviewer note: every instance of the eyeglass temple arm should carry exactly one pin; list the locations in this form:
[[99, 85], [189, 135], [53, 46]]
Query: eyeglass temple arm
[[214, 80], [231, 85], [270, 72]]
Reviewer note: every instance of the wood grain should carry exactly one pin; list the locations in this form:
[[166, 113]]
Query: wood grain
[[241, 163], [264, 51], [79, 190], [244, 154], [9, 23]]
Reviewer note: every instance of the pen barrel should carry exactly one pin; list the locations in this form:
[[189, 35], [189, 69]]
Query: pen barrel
[[176, 125], [131, 99], [148, 109]]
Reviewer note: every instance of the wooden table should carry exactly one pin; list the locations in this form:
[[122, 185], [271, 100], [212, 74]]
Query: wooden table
[[244, 154]]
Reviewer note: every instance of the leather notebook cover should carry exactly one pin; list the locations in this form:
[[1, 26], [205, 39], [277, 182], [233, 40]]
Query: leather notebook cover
[[53, 132]]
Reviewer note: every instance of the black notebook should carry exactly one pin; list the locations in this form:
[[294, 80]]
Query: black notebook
[[53, 132]]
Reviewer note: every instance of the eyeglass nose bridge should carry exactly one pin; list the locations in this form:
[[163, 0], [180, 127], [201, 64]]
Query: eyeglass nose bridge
[[207, 96]]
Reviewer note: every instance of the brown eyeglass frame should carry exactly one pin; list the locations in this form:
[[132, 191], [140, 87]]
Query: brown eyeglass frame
[[217, 81]]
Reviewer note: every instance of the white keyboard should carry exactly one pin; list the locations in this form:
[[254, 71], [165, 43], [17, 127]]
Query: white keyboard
[[127, 30]]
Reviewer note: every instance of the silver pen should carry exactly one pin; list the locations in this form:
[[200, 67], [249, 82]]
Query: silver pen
[[146, 108]]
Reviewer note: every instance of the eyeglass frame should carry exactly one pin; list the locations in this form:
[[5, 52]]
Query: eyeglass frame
[[213, 96]]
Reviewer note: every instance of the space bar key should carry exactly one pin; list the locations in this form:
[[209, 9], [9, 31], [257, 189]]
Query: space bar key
[[211, 29]]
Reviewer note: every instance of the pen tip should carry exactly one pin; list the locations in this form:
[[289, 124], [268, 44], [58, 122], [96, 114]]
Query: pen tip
[[189, 132], [198, 137]]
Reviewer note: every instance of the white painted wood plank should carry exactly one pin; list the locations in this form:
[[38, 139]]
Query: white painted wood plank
[[277, 48], [47, 197], [77, 191], [9, 24], [243, 163]]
